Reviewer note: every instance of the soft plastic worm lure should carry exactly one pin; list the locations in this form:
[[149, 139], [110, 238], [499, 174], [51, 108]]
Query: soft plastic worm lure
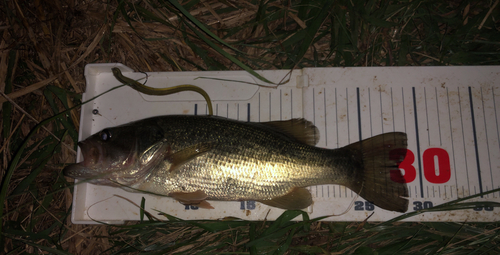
[[163, 91]]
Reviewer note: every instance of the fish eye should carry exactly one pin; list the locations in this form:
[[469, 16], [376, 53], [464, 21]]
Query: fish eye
[[105, 135]]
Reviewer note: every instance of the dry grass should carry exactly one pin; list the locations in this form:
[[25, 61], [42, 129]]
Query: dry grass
[[46, 44]]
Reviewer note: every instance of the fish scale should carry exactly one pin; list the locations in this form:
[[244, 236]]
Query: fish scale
[[272, 169]]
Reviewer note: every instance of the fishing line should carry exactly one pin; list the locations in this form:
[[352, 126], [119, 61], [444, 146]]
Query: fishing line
[[350, 205], [124, 198], [147, 76]]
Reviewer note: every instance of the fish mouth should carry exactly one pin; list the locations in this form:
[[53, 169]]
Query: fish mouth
[[92, 154], [99, 165]]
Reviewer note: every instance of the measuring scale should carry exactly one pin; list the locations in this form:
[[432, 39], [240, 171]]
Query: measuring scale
[[449, 114]]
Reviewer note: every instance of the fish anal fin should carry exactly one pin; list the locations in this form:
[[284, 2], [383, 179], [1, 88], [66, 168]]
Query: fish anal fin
[[188, 196], [302, 130], [296, 199], [204, 204], [196, 198], [184, 155]]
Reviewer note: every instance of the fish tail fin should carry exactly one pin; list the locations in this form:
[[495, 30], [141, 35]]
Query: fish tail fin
[[379, 179]]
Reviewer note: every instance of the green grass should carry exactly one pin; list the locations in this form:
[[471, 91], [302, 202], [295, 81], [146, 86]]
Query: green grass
[[40, 37]]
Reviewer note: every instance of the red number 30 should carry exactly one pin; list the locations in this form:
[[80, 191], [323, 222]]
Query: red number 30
[[443, 174]]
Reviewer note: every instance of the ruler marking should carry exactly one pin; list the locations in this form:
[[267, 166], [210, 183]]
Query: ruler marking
[[487, 139], [336, 119], [314, 107], [418, 143], [369, 112], [475, 142], [334, 195], [427, 117], [328, 190], [452, 143], [326, 129], [238, 112], [216, 109], [347, 114], [496, 120], [248, 112], [382, 124], [359, 114], [270, 102], [392, 106], [281, 109], [195, 109], [463, 140], [259, 106], [291, 104], [496, 116], [227, 110], [439, 119], [381, 110], [404, 110]]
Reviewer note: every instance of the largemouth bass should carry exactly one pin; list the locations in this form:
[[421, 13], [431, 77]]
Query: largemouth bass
[[199, 158]]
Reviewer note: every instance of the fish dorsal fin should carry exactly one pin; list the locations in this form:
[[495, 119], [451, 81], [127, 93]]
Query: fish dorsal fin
[[302, 130], [192, 198], [298, 198]]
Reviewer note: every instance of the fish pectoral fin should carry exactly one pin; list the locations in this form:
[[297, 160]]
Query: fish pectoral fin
[[196, 198], [154, 153], [300, 129], [184, 155], [298, 198]]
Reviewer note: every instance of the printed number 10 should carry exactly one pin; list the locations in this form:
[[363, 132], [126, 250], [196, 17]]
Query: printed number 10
[[429, 159]]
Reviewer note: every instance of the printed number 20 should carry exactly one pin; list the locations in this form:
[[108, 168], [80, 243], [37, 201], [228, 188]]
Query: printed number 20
[[428, 157]]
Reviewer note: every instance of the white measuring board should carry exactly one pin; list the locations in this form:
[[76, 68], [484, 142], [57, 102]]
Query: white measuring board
[[449, 113]]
